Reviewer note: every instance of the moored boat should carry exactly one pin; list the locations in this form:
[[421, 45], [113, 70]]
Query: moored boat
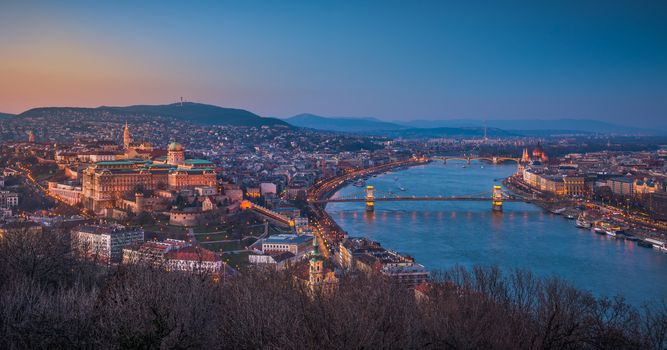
[[643, 243], [657, 244], [558, 211], [610, 232], [582, 222], [607, 228]]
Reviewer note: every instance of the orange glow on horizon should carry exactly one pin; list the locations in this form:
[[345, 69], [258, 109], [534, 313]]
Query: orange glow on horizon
[[82, 73]]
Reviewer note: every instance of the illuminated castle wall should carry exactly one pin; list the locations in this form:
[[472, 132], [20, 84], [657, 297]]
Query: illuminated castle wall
[[104, 183]]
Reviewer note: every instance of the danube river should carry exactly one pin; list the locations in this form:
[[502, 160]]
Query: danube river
[[441, 235]]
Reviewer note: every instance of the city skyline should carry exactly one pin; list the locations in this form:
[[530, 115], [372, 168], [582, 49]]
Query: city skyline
[[392, 61], [333, 174]]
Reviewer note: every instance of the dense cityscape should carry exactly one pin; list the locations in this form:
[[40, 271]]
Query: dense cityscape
[[333, 175], [224, 201]]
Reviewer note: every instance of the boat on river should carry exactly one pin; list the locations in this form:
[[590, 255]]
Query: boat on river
[[657, 244], [558, 211], [610, 233], [360, 183], [643, 243], [608, 228], [582, 222]]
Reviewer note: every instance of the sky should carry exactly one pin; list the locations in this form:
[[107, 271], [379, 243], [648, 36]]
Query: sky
[[394, 60]]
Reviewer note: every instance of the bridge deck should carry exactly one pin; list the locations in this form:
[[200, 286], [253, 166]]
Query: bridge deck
[[395, 199]]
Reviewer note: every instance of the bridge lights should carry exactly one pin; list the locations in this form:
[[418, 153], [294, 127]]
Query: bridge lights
[[497, 202], [370, 198]]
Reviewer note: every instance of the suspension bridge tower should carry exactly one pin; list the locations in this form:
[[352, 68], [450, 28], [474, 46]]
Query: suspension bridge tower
[[370, 198], [497, 202]]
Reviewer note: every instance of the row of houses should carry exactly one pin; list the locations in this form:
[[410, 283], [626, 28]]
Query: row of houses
[[280, 251], [558, 184], [362, 254], [114, 244], [574, 185]]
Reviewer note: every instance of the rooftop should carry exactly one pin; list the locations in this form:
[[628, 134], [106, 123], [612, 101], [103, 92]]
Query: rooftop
[[192, 253], [280, 256], [198, 161], [105, 229], [118, 162], [288, 239], [621, 179]]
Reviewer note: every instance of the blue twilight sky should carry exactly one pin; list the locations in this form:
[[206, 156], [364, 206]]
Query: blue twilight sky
[[396, 60]]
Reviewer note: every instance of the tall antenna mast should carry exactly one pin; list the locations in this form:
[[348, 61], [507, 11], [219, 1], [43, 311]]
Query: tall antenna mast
[[485, 131]]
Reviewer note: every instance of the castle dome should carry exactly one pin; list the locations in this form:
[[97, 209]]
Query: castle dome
[[175, 146]]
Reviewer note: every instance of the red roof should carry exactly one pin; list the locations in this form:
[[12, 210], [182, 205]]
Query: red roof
[[154, 246], [192, 253], [423, 287], [158, 153]]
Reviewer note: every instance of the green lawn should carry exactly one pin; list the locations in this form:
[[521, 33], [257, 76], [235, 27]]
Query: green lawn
[[236, 260], [165, 228], [203, 237], [205, 228], [225, 246]]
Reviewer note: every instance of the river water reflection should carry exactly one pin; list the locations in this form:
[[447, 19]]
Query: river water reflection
[[443, 234]]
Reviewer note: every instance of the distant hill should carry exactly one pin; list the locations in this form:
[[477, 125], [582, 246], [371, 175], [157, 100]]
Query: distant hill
[[466, 127], [523, 125], [187, 111], [6, 115], [446, 132], [343, 124], [372, 126]]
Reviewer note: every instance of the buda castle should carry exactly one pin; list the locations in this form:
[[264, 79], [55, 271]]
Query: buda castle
[[104, 183]]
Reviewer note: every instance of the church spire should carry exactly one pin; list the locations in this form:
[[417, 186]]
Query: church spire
[[127, 138], [525, 158]]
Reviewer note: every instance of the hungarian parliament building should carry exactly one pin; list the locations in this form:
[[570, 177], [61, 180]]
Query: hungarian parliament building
[[105, 183]]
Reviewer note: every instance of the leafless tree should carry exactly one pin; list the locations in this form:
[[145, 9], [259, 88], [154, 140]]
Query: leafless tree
[[50, 298]]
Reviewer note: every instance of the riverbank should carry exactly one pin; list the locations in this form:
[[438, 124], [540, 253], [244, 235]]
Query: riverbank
[[441, 235], [633, 227]]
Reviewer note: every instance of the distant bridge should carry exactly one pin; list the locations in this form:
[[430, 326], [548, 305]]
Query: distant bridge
[[470, 158]]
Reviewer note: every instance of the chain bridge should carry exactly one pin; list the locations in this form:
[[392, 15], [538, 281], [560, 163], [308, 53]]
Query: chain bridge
[[370, 196]]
